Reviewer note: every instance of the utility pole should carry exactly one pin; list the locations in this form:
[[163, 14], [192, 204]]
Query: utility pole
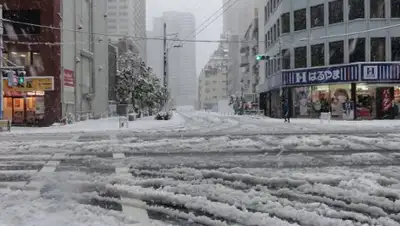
[[165, 62], [1, 62]]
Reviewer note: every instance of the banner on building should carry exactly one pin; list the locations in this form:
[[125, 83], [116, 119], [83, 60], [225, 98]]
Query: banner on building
[[69, 80], [31, 84]]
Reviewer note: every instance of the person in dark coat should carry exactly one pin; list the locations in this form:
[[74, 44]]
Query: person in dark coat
[[286, 111]]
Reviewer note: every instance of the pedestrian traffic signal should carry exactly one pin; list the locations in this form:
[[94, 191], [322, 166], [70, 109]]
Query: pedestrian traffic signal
[[262, 57]]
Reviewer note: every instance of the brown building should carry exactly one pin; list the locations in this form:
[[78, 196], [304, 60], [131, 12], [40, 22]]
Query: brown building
[[24, 46]]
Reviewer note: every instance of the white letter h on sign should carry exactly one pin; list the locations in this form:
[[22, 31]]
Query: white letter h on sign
[[301, 77]]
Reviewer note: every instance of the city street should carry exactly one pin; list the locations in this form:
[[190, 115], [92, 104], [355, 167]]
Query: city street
[[202, 168]]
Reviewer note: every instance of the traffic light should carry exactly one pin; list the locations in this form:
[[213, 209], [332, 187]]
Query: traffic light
[[262, 57], [21, 78]]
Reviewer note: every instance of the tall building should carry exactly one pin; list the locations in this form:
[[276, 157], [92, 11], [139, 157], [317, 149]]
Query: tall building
[[79, 66], [213, 79], [237, 17], [181, 61], [155, 47], [327, 70], [128, 18]]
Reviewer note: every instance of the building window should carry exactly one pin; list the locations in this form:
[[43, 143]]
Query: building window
[[286, 59], [300, 22], [318, 55], [25, 17], [317, 16], [336, 52], [336, 12], [300, 57], [275, 32], [395, 8], [357, 50], [378, 49], [395, 48], [377, 9], [356, 9], [285, 23], [265, 14], [278, 26]]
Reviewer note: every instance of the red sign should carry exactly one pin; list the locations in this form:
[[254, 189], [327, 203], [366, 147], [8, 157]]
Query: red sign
[[69, 78]]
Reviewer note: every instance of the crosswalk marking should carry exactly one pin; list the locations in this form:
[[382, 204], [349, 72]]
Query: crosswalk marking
[[118, 155]]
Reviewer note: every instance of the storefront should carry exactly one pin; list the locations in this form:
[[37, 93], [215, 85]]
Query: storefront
[[353, 91], [24, 108]]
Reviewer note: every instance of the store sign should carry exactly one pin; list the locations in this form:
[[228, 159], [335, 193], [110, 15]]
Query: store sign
[[31, 84], [69, 80], [382, 72], [321, 75]]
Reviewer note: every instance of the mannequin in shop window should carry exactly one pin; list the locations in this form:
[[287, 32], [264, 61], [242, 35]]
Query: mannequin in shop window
[[340, 96]]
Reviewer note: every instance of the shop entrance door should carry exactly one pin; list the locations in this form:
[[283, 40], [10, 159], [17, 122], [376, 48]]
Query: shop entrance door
[[18, 110], [384, 103]]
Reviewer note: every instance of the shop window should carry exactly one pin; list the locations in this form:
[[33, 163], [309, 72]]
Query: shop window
[[285, 23], [365, 101], [285, 59], [317, 16], [311, 101], [356, 9], [377, 9], [378, 49], [300, 22], [336, 52], [336, 12], [25, 17], [395, 41], [300, 57], [318, 55], [357, 50], [395, 8]]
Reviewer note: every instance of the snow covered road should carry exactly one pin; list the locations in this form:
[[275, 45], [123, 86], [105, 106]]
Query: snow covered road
[[202, 169]]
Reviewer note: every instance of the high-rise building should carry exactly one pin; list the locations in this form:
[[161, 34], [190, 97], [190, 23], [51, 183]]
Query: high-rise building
[[155, 47], [181, 60], [128, 18]]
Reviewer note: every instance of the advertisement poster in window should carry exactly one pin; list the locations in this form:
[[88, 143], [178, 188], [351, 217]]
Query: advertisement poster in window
[[338, 97], [302, 101], [348, 110], [385, 98]]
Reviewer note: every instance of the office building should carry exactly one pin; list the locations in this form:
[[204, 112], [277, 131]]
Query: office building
[[213, 79], [128, 18], [155, 48], [322, 68], [181, 60]]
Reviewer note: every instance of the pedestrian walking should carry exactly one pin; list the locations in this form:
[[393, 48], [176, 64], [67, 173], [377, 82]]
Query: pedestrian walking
[[286, 115]]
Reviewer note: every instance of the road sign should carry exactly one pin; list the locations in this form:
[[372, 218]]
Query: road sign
[[31, 84]]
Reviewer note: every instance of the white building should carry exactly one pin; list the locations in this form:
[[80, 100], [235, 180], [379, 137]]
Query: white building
[[86, 55], [237, 17], [311, 35], [155, 49], [213, 79], [181, 61], [128, 18]]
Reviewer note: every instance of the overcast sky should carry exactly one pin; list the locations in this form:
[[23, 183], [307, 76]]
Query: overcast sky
[[202, 10]]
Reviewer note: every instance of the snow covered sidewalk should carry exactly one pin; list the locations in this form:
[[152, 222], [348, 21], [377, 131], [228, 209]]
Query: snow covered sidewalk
[[108, 124]]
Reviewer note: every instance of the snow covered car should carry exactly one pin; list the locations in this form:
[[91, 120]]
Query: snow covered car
[[162, 115]]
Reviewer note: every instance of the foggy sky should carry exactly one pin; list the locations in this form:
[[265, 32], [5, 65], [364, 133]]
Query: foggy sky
[[201, 9]]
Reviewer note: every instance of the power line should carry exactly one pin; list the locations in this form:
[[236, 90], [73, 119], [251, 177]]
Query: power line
[[116, 35], [217, 17], [208, 19]]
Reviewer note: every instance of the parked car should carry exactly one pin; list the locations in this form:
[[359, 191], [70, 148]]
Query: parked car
[[162, 115]]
